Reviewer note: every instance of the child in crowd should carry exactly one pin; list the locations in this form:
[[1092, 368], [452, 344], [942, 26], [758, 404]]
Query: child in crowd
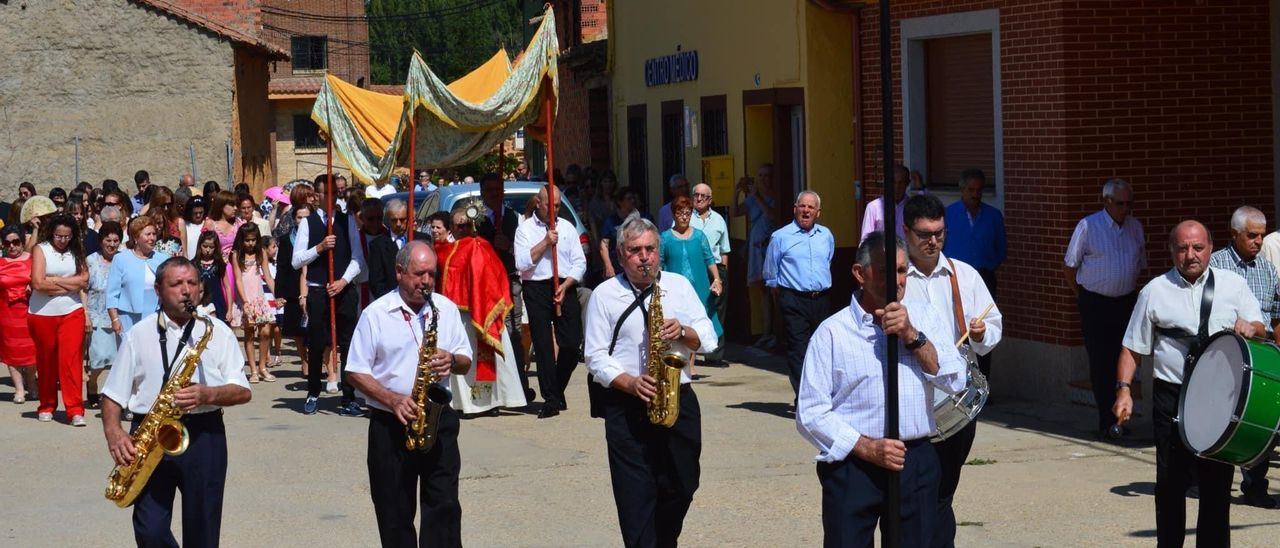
[[247, 261], [212, 273], [270, 246]]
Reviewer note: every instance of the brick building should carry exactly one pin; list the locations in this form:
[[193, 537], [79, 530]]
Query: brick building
[[582, 125], [92, 72], [1049, 97]]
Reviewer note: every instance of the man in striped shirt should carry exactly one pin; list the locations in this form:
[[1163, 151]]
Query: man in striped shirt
[[1101, 266], [1248, 226]]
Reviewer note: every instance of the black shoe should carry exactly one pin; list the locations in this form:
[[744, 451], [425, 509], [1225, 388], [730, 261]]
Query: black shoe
[[1260, 500], [563, 406], [92, 401], [351, 409], [530, 395], [548, 411]]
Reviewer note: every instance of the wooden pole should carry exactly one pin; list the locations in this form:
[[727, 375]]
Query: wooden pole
[[413, 175], [891, 526], [333, 317], [552, 191]]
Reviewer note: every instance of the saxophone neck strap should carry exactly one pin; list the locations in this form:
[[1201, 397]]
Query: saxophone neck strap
[[161, 320], [637, 303]]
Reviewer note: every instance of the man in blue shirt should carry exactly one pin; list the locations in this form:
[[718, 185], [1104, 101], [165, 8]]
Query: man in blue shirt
[[797, 270], [975, 235]]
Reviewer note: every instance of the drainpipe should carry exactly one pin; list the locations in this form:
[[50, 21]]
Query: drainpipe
[[859, 180]]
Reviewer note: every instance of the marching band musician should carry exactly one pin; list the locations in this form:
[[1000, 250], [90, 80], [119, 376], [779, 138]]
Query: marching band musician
[[136, 379], [930, 278], [1167, 322], [654, 469], [383, 363], [842, 403]]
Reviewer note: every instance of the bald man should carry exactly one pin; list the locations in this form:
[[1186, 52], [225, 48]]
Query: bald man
[[1166, 324]]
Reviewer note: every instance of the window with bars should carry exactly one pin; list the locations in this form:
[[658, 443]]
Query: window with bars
[[310, 52], [672, 142], [306, 134], [715, 126]]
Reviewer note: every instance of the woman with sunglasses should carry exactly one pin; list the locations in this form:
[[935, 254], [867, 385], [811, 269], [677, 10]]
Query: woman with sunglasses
[[17, 350], [58, 274]]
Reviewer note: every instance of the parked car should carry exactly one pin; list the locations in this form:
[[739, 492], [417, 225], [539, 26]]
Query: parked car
[[516, 194]]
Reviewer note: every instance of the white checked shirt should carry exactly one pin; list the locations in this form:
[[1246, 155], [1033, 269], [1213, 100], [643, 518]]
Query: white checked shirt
[[714, 228], [136, 374], [573, 264], [842, 386], [388, 338], [934, 290], [1107, 256], [1169, 301], [611, 298]]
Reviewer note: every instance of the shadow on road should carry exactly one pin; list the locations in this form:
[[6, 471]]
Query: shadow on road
[[775, 408], [1134, 489], [1151, 533]]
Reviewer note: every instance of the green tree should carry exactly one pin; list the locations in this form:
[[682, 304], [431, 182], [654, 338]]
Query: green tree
[[454, 36]]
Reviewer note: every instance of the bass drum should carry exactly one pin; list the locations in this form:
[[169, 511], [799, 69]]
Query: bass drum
[[952, 412], [1230, 404]]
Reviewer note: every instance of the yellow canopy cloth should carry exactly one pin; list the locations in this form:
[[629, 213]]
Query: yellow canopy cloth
[[456, 123]]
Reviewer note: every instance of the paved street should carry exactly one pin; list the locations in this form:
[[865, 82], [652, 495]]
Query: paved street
[[300, 481]]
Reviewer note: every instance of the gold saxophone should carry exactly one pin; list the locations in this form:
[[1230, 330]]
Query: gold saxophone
[[664, 363], [431, 398], [161, 432]]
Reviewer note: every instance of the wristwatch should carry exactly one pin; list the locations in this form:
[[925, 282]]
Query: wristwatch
[[919, 342], [1121, 384], [682, 332]]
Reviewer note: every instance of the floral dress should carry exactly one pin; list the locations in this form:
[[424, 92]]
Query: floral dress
[[255, 307], [102, 340]]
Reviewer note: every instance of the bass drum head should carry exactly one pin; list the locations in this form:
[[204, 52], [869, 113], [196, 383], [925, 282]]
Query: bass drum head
[[1211, 393]]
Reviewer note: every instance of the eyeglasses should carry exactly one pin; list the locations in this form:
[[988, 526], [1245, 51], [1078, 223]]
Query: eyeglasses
[[13, 242], [926, 236], [111, 203], [685, 214], [62, 238], [702, 195], [1121, 203]]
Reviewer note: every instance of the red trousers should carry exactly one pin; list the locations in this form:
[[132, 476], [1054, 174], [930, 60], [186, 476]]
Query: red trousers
[[59, 360]]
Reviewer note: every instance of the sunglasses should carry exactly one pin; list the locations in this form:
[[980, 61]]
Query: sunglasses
[[13, 242]]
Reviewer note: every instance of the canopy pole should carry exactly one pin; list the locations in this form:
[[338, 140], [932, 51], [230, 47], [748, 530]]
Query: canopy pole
[[551, 196], [333, 316], [502, 160], [891, 521], [413, 175]]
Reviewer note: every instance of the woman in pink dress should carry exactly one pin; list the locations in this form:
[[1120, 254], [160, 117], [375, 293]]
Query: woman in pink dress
[[17, 350], [222, 221]]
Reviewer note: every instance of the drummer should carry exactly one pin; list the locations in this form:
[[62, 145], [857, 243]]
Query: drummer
[[929, 283], [1166, 323], [1248, 226]]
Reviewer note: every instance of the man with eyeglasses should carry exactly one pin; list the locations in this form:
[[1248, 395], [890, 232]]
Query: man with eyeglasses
[[797, 270], [717, 232], [1101, 267], [679, 186], [956, 293]]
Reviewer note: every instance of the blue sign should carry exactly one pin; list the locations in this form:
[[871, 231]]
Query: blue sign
[[681, 66]]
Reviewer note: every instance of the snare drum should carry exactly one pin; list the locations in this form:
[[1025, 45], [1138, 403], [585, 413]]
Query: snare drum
[[952, 412], [1230, 404]]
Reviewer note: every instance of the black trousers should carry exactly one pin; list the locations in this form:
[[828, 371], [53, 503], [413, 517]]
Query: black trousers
[[953, 452], [801, 314], [394, 476], [1103, 321], [1253, 481], [1174, 467], [200, 474], [553, 371], [347, 306], [655, 470], [988, 279], [853, 498]]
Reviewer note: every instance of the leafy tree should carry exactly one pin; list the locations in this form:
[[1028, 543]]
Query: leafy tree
[[453, 36]]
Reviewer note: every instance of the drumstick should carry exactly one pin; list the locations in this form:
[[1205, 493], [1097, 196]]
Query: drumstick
[[965, 337]]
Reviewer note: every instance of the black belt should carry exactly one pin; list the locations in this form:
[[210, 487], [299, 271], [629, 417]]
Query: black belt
[[809, 294], [540, 282], [195, 420]]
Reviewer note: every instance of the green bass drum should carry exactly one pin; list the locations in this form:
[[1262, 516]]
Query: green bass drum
[[1230, 405]]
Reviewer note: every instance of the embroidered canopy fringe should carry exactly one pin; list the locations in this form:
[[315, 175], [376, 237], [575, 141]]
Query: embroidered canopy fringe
[[457, 123]]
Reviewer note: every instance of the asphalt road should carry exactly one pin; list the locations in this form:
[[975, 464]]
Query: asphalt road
[[1037, 478]]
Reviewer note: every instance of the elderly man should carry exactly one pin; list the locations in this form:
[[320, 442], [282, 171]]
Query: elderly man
[[956, 293], [717, 232], [383, 247], [679, 186], [797, 270], [1101, 267], [1167, 323], [975, 235], [654, 468], [188, 182], [1248, 225], [842, 403], [538, 239]]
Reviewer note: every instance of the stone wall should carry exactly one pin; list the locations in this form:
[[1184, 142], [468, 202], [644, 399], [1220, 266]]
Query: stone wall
[[137, 86]]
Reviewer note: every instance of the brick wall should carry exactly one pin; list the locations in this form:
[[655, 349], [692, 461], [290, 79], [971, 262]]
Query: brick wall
[[1174, 97], [348, 53], [240, 15], [573, 129]]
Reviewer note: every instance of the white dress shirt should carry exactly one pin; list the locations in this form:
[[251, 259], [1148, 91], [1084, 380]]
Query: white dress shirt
[[1169, 301], [573, 264], [373, 191], [137, 375], [842, 387], [611, 298], [934, 289], [389, 335], [1107, 256], [304, 250]]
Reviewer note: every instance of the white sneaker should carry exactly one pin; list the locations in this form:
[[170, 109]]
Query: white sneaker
[[331, 387], [78, 420], [45, 417]]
